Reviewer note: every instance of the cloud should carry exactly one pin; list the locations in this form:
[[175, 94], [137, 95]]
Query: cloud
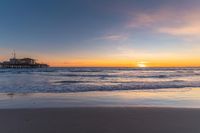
[[181, 22], [184, 30], [115, 37], [151, 19], [168, 21], [190, 26]]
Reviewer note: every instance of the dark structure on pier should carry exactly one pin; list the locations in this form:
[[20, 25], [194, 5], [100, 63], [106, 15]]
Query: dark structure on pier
[[22, 63]]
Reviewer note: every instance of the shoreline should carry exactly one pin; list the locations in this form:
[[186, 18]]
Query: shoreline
[[175, 98]]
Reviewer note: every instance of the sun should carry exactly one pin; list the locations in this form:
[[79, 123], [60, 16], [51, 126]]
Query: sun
[[141, 64]]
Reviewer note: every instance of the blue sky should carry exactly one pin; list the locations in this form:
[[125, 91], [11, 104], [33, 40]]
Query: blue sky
[[85, 32]]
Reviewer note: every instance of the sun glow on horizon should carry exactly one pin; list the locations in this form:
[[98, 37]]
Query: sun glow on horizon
[[141, 64]]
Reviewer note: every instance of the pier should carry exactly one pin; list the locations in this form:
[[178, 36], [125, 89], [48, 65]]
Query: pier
[[22, 63]]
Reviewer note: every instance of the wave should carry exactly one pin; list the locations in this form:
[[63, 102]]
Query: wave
[[85, 69], [71, 82], [84, 88], [96, 79], [155, 76], [130, 86]]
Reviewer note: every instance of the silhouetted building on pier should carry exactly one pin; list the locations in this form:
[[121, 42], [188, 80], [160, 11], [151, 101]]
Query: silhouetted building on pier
[[22, 63]]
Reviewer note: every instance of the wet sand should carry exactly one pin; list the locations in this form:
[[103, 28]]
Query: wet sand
[[100, 120], [177, 98]]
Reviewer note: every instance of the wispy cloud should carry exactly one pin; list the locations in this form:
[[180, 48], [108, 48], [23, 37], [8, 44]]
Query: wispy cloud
[[115, 37], [190, 28], [169, 21], [152, 19]]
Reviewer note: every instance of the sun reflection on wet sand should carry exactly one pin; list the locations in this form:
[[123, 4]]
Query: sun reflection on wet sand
[[188, 98]]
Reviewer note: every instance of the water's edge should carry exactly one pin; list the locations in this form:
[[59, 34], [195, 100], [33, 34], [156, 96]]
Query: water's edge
[[173, 98]]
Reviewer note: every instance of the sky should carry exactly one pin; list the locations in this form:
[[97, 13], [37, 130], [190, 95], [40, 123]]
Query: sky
[[107, 33]]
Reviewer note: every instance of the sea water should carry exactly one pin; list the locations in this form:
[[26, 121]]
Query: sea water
[[57, 80]]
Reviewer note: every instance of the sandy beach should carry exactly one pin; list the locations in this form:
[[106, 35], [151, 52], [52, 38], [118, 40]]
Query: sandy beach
[[144, 111], [100, 120]]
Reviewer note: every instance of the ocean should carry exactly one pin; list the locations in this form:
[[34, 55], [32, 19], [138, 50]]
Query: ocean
[[63, 80]]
